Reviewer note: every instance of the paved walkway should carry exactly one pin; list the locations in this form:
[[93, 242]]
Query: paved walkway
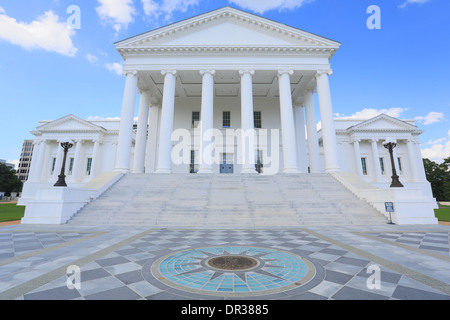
[[338, 263]]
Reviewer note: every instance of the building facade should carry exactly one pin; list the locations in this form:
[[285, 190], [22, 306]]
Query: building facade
[[228, 92]]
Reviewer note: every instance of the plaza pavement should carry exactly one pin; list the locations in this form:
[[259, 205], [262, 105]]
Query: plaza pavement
[[412, 262]]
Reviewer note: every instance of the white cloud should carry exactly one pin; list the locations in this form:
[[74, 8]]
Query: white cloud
[[114, 67], [47, 33], [91, 58], [14, 162], [166, 7], [98, 118], [369, 113], [438, 151], [437, 141], [118, 12], [261, 6], [413, 1], [431, 117]]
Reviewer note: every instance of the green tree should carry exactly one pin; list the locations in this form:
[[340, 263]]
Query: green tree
[[9, 182], [439, 177]]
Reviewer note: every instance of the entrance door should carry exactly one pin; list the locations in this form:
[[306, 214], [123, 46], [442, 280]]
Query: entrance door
[[227, 165]]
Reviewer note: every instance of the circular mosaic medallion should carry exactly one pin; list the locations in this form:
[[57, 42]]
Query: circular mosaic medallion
[[233, 270]]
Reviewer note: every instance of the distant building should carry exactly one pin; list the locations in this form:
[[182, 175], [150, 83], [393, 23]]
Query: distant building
[[9, 165], [25, 160]]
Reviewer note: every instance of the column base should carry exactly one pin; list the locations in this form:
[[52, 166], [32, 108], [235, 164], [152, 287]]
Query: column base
[[166, 171], [205, 171], [291, 170], [122, 170], [248, 171]]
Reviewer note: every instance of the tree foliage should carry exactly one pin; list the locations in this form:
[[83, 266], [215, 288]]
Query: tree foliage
[[9, 182], [439, 177]]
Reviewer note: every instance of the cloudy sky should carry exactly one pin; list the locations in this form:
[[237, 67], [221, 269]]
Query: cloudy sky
[[57, 57]]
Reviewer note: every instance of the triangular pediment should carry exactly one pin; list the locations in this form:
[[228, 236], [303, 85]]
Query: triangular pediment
[[70, 123], [227, 27], [383, 122]]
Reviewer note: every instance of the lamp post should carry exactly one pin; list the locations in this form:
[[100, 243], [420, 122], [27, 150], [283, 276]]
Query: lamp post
[[66, 145], [390, 144]]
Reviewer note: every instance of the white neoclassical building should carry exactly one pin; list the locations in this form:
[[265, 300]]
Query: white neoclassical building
[[227, 92]]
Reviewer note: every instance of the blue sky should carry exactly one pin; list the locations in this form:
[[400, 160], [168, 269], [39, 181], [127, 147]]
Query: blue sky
[[48, 70]]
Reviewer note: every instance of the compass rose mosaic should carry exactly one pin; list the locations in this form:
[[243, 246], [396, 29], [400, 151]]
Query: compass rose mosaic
[[233, 270]]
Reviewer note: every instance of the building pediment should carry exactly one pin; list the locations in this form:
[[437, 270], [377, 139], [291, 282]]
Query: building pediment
[[383, 122], [227, 30], [69, 123]]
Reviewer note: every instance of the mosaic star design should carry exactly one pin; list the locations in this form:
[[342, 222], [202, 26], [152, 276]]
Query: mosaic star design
[[270, 270]]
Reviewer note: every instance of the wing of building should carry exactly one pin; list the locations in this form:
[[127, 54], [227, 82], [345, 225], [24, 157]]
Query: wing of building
[[227, 93]]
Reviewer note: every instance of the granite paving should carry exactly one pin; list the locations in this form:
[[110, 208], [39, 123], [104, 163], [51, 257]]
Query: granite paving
[[390, 262]]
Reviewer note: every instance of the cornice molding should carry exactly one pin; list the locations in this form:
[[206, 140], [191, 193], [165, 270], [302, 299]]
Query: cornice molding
[[230, 50], [227, 14]]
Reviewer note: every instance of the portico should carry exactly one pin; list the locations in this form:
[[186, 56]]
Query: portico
[[260, 69]]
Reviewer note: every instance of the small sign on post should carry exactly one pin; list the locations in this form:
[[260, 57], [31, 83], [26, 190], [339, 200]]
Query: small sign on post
[[389, 207]]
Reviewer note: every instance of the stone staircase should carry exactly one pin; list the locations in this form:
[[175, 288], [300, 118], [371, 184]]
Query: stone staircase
[[228, 201]]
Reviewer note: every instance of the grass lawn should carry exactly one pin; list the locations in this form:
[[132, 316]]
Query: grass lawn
[[443, 213], [11, 212]]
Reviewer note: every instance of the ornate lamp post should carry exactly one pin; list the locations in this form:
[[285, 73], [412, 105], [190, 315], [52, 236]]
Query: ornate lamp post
[[390, 144], [66, 145]]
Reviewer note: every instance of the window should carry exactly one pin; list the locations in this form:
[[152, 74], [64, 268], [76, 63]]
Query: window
[[257, 119], [88, 166], [226, 120], [71, 165], [53, 165], [195, 119], [194, 162], [364, 166], [382, 165], [399, 165]]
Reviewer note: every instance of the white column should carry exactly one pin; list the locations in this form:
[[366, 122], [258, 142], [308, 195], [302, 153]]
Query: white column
[[311, 128], [287, 122], [58, 162], [95, 158], [326, 115], [357, 154], [77, 160], [166, 128], [34, 157], [302, 161], [412, 161], [376, 159], [420, 168], [247, 122], [141, 135], [152, 141], [126, 123], [36, 166], [207, 117]]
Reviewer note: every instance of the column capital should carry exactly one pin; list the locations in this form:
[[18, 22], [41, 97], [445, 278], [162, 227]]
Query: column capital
[[373, 140], [288, 71], [207, 71], [38, 142], [143, 91], [80, 141], [127, 72], [245, 71], [356, 141], [172, 72], [320, 72]]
